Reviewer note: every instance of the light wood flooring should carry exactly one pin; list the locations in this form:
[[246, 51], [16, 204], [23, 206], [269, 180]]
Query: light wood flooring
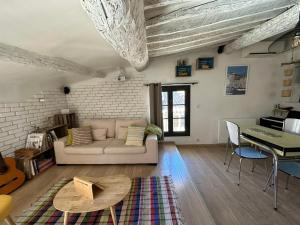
[[191, 202], [246, 204], [207, 193]]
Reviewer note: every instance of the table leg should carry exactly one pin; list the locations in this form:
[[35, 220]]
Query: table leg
[[275, 178], [66, 215], [113, 215]]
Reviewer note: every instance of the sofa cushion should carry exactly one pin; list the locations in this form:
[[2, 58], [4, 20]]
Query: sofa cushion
[[127, 123], [110, 124], [99, 134], [118, 147], [95, 148], [82, 136], [122, 134]]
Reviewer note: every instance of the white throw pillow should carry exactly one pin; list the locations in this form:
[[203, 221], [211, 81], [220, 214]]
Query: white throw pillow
[[99, 134], [122, 135], [135, 136]]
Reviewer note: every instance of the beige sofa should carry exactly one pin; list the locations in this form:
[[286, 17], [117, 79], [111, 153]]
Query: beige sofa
[[109, 151]]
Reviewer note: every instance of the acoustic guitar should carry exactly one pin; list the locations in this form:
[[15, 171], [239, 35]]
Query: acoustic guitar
[[10, 177]]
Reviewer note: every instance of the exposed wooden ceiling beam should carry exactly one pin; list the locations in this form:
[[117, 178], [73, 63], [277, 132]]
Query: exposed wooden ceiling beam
[[15, 54], [214, 8], [202, 36], [152, 4], [122, 24], [282, 23], [215, 16], [219, 25], [211, 42]]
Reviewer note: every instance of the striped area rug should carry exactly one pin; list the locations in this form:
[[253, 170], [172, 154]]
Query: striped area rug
[[151, 201]]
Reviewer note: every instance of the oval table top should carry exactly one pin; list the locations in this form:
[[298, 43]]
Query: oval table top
[[115, 189]]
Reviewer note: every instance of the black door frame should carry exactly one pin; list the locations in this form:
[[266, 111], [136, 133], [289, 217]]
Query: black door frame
[[169, 90]]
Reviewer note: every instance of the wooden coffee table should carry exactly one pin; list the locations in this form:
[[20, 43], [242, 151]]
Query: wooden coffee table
[[115, 189]]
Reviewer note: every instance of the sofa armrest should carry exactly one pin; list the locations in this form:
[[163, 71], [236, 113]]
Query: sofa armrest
[[60, 144], [152, 146]]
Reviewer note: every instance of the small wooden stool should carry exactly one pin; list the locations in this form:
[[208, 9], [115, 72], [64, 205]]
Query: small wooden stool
[[5, 208]]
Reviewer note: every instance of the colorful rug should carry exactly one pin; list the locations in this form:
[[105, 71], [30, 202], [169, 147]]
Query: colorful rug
[[151, 201]]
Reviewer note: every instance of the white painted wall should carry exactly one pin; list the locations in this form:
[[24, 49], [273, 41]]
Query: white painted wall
[[208, 101], [294, 100]]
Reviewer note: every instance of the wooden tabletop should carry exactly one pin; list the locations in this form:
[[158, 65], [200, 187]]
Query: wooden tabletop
[[279, 140], [115, 189]]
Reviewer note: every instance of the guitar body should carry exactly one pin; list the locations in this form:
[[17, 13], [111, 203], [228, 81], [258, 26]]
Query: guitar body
[[12, 178]]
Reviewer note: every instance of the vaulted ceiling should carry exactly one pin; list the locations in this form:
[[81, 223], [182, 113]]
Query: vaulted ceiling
[[162, 27], [72, 39]]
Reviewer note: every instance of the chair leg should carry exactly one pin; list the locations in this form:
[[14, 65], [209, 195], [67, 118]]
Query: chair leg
[[9, 220], [227, 145], [268, 181], [241, 160], [230, 161], [287, 182], [253, 166], [266, 168]]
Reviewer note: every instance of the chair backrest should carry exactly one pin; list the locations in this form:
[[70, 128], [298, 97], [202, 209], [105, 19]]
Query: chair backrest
[[234, 132], [292, 126]]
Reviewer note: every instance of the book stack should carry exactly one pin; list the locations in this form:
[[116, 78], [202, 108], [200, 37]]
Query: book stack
[[37, 165]]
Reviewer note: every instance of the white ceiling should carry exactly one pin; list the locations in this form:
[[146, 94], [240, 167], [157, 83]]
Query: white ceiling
[[61, 28], [57, 28]]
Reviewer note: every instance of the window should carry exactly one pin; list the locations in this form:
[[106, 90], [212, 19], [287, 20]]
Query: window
[[176, 110]]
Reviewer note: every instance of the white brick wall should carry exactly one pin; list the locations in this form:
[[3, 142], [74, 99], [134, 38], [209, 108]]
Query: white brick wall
[[17, 119], [97, 98], [108, 98]]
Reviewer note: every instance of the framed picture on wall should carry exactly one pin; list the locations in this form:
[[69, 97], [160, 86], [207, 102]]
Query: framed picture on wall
[[236, 79], [184, 71], [205, 63]]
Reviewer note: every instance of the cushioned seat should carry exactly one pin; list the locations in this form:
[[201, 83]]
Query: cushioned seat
[[251, 153], [119, 147], [95, 148], [5, 206], [291, 168]]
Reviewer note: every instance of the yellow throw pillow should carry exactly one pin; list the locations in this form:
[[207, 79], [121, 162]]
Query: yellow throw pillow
[[69, 137], [135, 136]]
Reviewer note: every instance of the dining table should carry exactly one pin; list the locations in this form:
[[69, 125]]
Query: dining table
[[279, 144]]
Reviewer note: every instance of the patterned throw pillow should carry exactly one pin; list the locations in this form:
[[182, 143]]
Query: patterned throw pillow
[[69, 137], [82, 136], [135, 136], [99, 134]]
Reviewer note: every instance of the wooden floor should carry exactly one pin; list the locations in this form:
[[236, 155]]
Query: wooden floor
[[191, 202], [207, 194], [245, 204]]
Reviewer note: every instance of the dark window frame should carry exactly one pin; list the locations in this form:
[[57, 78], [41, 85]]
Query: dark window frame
[[170, 90]]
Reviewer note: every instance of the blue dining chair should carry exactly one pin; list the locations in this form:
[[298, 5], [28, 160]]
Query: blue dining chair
[[238, 150], [291, 168]]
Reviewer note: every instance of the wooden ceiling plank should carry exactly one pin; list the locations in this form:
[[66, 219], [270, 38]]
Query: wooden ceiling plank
[[122, 24], [15, 54], [157, 53], [206, 19], [153, 4], [282, 23], [204, 36], [213, 8]]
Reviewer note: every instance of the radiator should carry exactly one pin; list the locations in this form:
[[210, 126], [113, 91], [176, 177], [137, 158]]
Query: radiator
[[222, 130]]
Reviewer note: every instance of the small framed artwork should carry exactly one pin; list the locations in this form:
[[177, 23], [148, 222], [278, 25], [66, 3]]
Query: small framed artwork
[[184, 71], [236, 79], [205, 63]]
